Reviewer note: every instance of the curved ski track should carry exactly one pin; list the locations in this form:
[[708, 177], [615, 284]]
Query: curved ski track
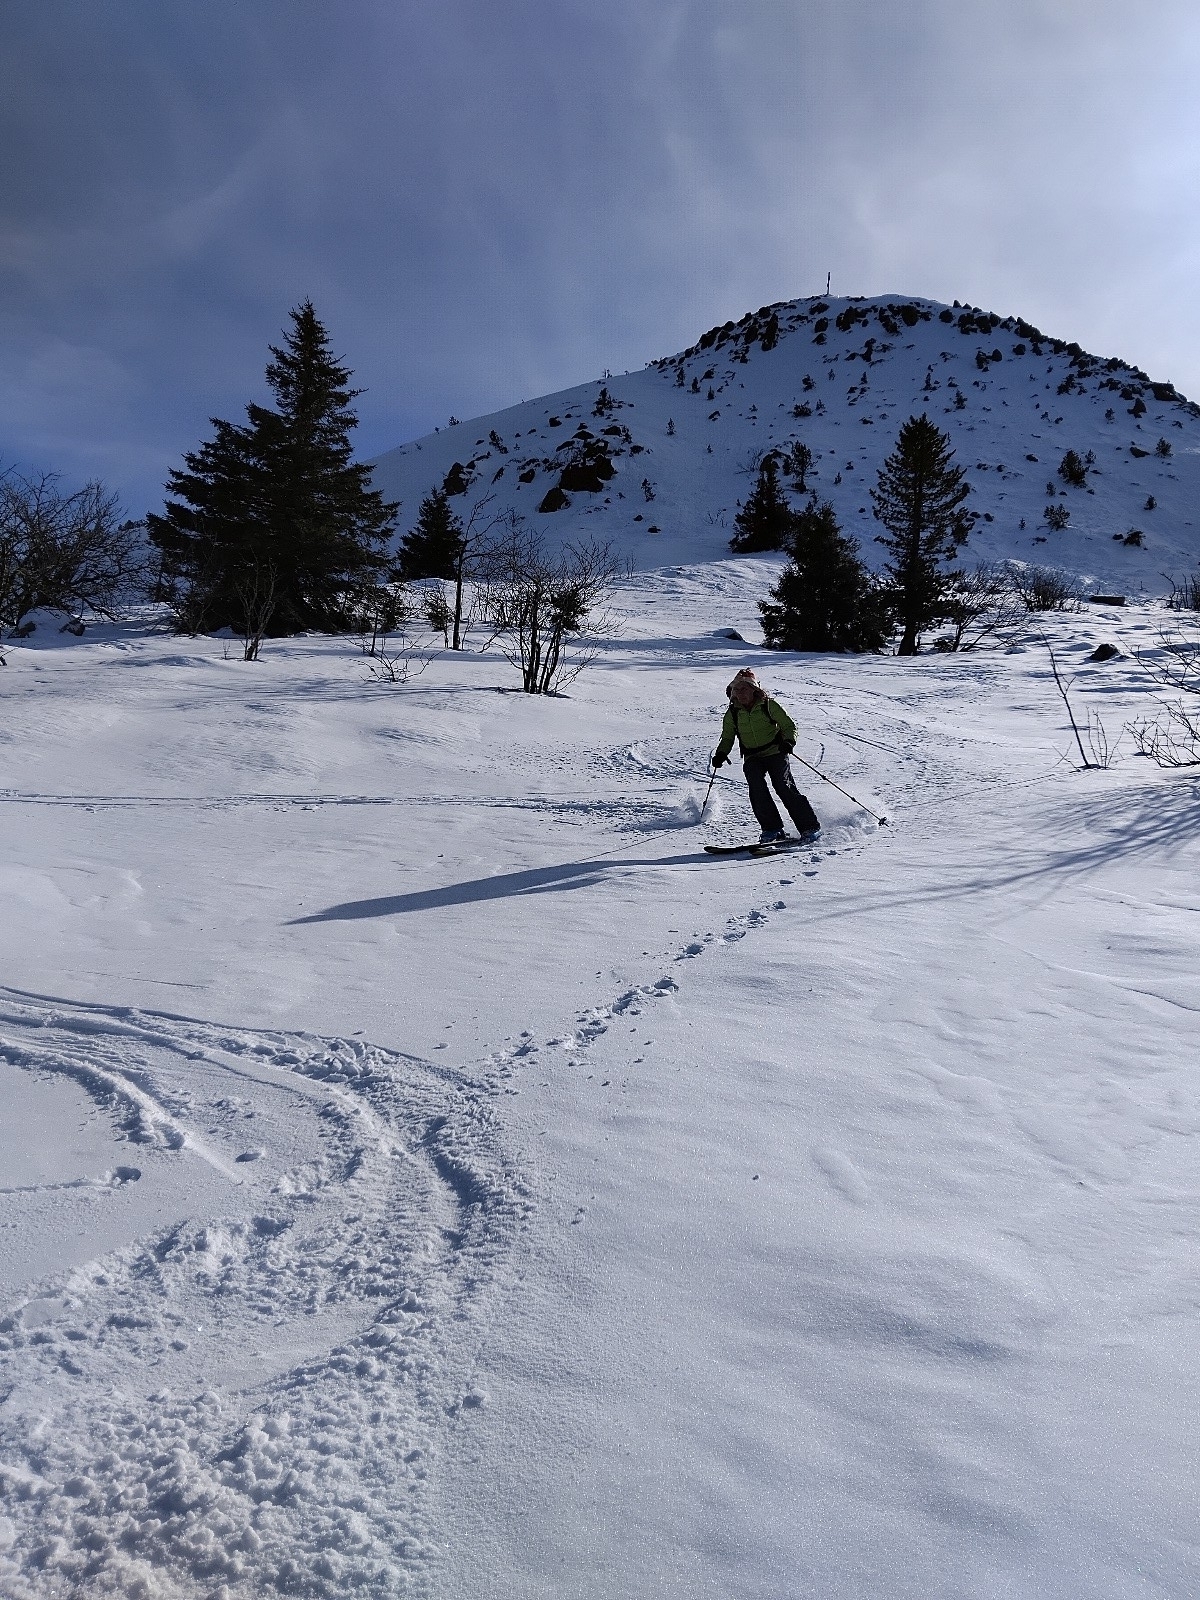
[[367, 1210]]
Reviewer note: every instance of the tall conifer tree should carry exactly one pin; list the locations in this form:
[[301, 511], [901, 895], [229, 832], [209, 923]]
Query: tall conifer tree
[[279, 495], [919, 500]]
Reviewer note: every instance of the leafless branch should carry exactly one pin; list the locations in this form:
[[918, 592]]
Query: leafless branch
[[1062, 689], [65, 552], [255, 590]]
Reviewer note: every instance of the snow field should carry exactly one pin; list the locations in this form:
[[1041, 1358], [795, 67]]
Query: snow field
[[896, 1308], [529, 1204]]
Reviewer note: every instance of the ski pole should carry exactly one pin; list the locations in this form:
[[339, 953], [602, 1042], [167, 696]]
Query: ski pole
[[882, 821], [707, 792]]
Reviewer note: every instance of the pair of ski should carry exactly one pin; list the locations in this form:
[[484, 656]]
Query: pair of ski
[[754, 848]]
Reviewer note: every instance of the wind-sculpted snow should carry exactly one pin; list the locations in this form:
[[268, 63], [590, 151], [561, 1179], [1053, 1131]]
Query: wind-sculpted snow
[[248, 1399]]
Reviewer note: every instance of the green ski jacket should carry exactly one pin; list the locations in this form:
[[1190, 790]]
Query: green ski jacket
[[761, 730]]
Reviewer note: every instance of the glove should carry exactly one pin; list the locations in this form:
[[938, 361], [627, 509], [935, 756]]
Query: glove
[[787, 746], [719, 761]]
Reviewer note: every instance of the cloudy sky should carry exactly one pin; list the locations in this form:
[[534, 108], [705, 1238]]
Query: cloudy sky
[[492, 199]]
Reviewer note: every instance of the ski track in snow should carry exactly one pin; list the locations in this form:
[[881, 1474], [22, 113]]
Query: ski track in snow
[[255, 1397], [355, 1264], [252, 1399]]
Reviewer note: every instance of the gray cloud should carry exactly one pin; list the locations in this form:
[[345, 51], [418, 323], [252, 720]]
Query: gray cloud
[[487, 202]]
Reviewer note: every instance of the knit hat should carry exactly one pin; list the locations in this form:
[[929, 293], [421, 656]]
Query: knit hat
[[744, 679]]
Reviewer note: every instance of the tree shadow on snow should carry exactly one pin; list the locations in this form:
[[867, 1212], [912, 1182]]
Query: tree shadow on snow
[[1098, 832], [503, 886]]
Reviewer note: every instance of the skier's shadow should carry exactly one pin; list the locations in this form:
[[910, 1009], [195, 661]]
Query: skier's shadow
[[503, 886]]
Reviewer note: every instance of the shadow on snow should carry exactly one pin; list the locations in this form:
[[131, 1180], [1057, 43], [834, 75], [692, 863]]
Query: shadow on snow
[[503, 886]]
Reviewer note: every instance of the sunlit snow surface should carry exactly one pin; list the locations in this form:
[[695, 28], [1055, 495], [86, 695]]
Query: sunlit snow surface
[[424, 1171]]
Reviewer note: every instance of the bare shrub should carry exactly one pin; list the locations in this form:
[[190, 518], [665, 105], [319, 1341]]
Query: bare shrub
[[254, 589], [1103, 750], [395, 654], [396, 661], [65, 552], [1047, 588], [1172, 737], [984, 604], [539, 604], [1178, 667], [1185, 595]]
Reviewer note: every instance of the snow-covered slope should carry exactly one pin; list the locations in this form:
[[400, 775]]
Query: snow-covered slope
[[361, 1236], [842, 375]]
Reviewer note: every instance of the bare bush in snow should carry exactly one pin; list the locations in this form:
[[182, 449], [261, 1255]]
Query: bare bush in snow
[[65, 552], [540, 604], [984, 604], [1172, 737], [1047, 588]]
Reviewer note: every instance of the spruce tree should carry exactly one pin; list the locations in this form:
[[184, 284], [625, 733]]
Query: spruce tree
[[765, 521], [279, 496], [431, 548], [206, 539], [919, 500], [825, 599]]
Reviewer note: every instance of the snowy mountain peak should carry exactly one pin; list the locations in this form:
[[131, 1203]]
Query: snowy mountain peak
[[658, 461]]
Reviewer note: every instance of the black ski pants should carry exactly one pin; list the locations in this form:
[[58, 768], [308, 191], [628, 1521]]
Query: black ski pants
[[779, 770]]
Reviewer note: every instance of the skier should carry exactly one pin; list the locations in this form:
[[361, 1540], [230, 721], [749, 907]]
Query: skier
[[767, 736]]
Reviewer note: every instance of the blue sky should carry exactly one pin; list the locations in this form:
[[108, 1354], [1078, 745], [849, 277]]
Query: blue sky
[[491, 199]]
